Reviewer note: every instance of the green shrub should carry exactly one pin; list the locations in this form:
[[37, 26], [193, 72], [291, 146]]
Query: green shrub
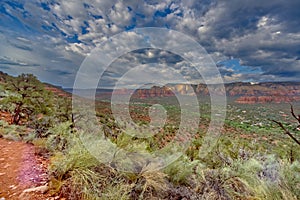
[[149, 185], [60, 137], [72, 170], [180, 171], [120, 191], [291, 178], [12, 132]]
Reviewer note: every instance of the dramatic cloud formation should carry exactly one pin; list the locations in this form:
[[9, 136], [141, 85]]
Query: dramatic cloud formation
[[249, 40]]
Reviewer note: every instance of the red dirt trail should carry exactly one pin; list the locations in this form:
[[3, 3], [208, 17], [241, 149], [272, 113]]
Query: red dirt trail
[[21, 169]]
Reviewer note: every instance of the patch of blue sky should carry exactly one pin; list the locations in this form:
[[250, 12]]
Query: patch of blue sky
[[130, 27], [96, 16], [15, 4], [47, 28], [11, 22], [45, 6], [69, 17], [163, 13], [86, 5], [179, 14], [53, 28], [84, 29], [236, 66]]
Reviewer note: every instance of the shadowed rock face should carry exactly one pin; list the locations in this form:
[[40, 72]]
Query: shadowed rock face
[[244, 93]]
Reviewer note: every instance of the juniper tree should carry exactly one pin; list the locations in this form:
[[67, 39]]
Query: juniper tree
[[26, 97]]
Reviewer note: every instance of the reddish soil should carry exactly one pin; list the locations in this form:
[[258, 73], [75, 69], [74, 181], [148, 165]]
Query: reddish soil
[[58, 91], [6, 116], [21, 169]]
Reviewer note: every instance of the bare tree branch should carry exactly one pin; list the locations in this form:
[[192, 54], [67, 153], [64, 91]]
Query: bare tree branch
[[292, 111], [286, 131]]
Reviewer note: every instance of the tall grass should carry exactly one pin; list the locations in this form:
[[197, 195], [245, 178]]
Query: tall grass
[[14, 132], [233, 170]]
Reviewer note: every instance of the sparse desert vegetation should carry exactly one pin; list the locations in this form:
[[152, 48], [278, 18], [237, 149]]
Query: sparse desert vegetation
[[149, 100], [253, 159]]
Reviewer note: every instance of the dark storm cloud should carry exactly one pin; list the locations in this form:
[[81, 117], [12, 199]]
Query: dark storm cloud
[[260, 33]]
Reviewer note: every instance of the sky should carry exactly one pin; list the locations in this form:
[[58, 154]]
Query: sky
[[249, 40]]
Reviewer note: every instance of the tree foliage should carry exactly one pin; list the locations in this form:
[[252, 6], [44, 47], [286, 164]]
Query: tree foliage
[[27, 98]]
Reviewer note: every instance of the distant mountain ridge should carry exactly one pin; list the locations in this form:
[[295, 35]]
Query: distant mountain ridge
[[241, 92], [244, 93], [269, 92]]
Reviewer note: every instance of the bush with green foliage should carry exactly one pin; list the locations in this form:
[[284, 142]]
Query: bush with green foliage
[[15, 132], [235, 169], [27, 98]]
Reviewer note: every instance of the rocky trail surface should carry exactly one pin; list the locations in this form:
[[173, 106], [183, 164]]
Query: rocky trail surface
[[23, 174]]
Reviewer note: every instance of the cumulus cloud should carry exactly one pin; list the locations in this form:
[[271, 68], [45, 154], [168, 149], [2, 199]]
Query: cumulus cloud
[[54, 37]]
